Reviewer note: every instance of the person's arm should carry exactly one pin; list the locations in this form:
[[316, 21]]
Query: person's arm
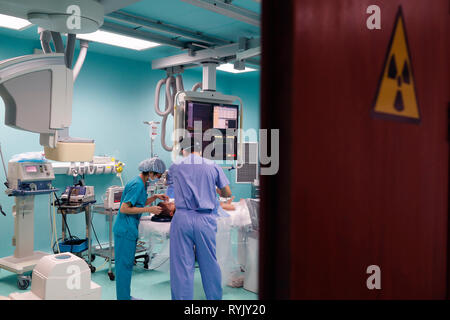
[[128, 209], [222, 183], [227, 205], [225, 192], [162, 197]]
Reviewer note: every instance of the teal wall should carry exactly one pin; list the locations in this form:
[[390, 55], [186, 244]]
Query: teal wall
[[112, 98]]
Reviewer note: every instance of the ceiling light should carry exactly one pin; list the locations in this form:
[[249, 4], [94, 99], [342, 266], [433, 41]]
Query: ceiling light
[[229, 67], [119, 40], [11, 22]]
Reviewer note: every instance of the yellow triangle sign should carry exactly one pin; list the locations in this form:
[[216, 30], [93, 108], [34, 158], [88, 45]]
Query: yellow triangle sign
[[396, 96]]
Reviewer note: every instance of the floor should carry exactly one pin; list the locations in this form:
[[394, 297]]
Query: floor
[[146, 284]]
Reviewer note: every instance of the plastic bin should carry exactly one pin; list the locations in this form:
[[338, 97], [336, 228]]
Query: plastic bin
[[74, 246]]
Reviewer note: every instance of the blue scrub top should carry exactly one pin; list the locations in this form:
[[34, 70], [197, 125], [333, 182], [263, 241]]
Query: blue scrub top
[[127, 225], [194, 180]]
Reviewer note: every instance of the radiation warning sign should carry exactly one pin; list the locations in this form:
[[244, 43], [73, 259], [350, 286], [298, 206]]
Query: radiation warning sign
[[396, 96]]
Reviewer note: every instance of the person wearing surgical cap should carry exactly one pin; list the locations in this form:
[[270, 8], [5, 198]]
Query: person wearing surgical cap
[[193, 229], [133, 204]]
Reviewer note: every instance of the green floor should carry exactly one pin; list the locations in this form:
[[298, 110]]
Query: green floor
[[146, 284]]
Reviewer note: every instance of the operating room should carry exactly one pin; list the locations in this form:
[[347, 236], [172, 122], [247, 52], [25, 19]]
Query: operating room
[[113, 104]]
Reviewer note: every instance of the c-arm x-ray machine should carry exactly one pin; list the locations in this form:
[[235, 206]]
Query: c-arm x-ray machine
[[37, 89], [37, 92]]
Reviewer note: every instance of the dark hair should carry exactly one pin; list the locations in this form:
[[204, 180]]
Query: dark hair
[[148, 172], [190, 144], [165, 212]]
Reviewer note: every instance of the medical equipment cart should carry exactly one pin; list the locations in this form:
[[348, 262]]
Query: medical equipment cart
[[108, 253], [65, 209]]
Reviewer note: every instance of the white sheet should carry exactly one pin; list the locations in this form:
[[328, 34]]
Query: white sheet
[[238, 218], [156, 235]]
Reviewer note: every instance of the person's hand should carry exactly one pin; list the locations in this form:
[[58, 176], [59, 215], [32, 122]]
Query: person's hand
[[229, 201], [162, 197], [155, 210]]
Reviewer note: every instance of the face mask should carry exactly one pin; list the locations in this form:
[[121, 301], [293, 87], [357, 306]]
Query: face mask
[[151, 181]]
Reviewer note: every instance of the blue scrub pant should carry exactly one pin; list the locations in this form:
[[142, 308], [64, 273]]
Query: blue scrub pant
[[124, 253], [189, 229]]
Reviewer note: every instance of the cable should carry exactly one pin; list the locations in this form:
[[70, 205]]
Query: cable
[[173, 86], [55, 233], [95, 233], [3, 162], [63, 215], [57, 42], [70, 49], [161, 263], [71, 237], [120, 177], [104, 263], [50, 217]]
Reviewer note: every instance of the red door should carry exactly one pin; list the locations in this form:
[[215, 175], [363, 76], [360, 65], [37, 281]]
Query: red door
[[354, 190]]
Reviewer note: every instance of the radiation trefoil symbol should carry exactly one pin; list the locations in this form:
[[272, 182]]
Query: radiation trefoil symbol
[[396, 95]]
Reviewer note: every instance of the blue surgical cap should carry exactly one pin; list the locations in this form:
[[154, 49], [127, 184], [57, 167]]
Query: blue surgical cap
[[152, 165]]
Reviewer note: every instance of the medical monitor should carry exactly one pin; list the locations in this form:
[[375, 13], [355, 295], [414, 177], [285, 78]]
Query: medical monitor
[[211, 115]]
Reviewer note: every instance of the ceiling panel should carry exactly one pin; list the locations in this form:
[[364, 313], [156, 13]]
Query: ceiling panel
[[186, 15], [174, 12]]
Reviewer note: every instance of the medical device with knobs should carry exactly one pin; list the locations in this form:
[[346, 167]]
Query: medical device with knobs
[[113, 197], [29, 178], [25, 180], [75, 195]]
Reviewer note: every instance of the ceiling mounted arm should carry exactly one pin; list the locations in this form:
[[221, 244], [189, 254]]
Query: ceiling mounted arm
[[227, 9]]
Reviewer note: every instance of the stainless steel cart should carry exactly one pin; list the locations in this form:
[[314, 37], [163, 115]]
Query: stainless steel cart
[[108, 253], [76, 209]]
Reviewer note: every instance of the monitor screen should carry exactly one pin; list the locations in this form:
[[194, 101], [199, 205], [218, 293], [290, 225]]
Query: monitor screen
[[223, 117], [118, 196], [198, 112], [31, 169]]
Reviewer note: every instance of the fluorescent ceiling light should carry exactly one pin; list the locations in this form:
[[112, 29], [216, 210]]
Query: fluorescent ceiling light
[[11, 22], [119, 40], [229, 67]]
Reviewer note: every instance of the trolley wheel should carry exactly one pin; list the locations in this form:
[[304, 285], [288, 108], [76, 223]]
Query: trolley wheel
[[23, 284], [92, 257], [111, 275], [92, 269]]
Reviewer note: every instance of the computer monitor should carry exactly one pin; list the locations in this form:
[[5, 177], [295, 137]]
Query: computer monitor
[[198, 111], [224, 118]]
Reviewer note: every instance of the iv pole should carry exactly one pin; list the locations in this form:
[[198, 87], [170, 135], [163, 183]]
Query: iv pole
[[153, 134]]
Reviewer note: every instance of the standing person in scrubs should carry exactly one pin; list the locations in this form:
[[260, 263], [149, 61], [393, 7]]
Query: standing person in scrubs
[[134, 202], [193, 229]]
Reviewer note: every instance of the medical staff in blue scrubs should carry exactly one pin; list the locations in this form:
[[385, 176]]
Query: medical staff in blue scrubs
[[133, 204], [193, 230]]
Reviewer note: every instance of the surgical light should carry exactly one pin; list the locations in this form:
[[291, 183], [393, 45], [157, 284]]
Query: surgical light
[[229, 67], [13, 22], [118, 40]]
